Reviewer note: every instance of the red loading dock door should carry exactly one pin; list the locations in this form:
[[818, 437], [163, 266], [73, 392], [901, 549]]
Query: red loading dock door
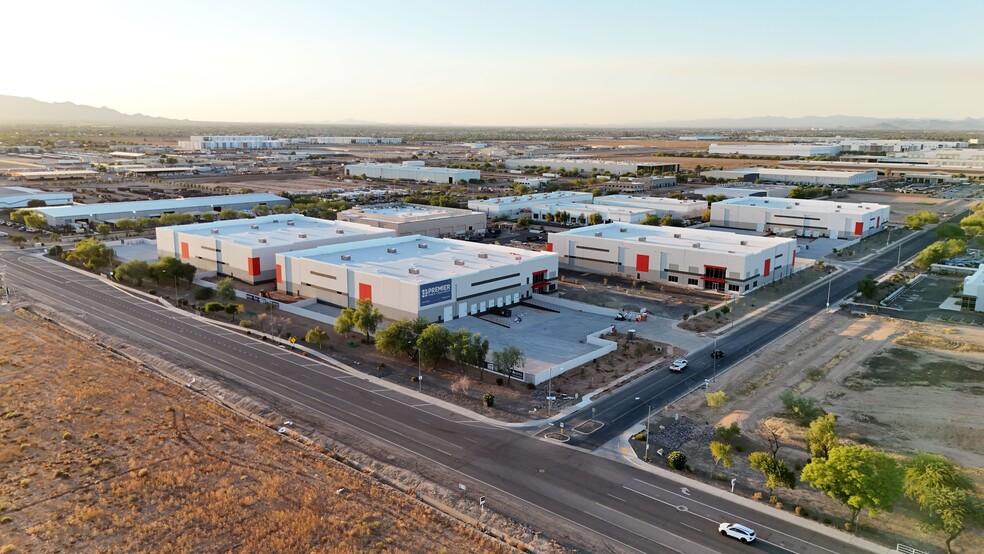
[[280, 274], [365, 292], [768, 268], [642, 263], [184, 251], [254, 266], [549, 247], [858, 228]]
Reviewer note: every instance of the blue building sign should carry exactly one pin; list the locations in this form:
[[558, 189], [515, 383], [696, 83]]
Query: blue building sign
[[435, 293]]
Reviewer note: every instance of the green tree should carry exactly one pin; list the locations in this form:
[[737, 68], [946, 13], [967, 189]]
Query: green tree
[[225, 290], [400, 337], [721, 452], [126, 225], [868, 287], [433, 344], [261, 210], [18, 240], [920, 219], [104, 229], [944, 496], [170, 269], [777, 474], [677, 460], [468, 348], [800, 407], [345, 321], [316, 336], [36, 203], [507, 360], [35, 220], [939, 251], [233, 310], [950, 231], [366, 317], [91, 253], [858, 477], [213, 307], [134, 271], [229, 213], [595, 219], [822, 436], [651, 219], [19, 215]]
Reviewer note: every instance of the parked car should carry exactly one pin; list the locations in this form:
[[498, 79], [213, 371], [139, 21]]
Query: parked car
[[717, 354], [736, 531], [679, 365]]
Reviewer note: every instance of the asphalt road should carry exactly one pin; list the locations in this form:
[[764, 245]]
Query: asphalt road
[[628, 405], [575, 497]]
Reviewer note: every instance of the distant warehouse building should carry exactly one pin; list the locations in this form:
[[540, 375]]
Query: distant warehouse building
[[55, 174], [436, 279], [418, 219], [90, 214], [353, 140], [796, 176], [412, 171], [775, 149], [973, 291], [246, 248], [580, 205], [697, 258], [230, 142], [512, 206], [587, 166], [808, 218], [18, 197]]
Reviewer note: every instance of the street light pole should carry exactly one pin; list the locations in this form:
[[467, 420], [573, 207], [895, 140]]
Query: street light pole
[[898, 261], [715, 359], [829, 283], [649, 416], [420, 375]]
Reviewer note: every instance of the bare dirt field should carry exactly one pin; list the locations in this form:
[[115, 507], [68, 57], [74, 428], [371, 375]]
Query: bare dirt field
[[97, 456], [900, 386], [904, 204], [650, 143]]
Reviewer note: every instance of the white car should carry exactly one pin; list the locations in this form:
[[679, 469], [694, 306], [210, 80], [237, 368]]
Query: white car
[[736, 531], [678, 365]]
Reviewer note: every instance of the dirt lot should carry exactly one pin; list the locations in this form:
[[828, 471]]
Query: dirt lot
[[97, 456], [905, 204], [897, 385]]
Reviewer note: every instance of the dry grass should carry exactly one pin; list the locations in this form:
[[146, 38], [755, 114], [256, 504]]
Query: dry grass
[[115, 460]]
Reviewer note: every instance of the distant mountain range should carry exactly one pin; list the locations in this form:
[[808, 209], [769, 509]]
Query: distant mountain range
[[19, 110]]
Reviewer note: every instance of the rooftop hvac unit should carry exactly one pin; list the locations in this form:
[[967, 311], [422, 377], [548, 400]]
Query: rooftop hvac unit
[[597, 233], [483, 255], [838, 206], [276, 221], [696, 245], [642, 239], [391, 250], [797, 203], [765, 201], [261, 241], [459, 262], [302, 235], [215, 231], [421, 245], [519, 258], [414, 271], [254, 226], [290, 222], [339, 231], [622, 230], [743, 243], [677, 235], [346, 258]]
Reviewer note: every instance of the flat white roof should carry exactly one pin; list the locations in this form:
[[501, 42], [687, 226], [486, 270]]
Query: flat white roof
[[804, 205], [277, 230], [433, 261], [679, 237], [649, 202], [407, 167], [537, 197], [22, 191], [795, 172], [82, 210], [408, 212]]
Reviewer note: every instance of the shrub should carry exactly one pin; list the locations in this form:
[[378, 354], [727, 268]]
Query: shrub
[[827, 521], [5, 519], [415, 378], [61, 474], [204, 293], [716, 399], [848, 527], [814, 373], [779, 505], [66, 436], [728, 433], [152, 292], [800, 511], [677, 460], [773, 499], [639, 436], [489, 399], [530, 386], [56, 251], [757, 496], [800, 407], [246, 324], [499, 381]]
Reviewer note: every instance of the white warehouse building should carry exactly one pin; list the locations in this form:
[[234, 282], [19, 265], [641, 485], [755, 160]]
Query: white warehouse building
[[412, 171], [795, 176], [973, 290], [697, 258], [436, 279], [775, 149], [230, 142], [18, 197], [808, 218], [587, 165], [417, 219], [90, 214], [511, 206], [353, 140], [246, 248]]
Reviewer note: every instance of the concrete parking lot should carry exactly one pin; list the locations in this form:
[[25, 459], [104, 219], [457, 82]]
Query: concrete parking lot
[[923, 300]]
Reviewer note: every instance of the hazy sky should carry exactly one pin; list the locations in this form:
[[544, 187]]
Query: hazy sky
[[498, 62]]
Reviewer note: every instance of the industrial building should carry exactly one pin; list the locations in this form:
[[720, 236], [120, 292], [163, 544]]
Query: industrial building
[[775, 149], [795, 176], [973, 290], [677, 209], [417, 219], [512, 206], [90, 214], [18, 197], [697, 258], [246, 248], [436, 279], [230, 142], [353, 140], [55, 174], [802, 217], [588, 166], [412, 171], [734, 191], [892, 145]]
